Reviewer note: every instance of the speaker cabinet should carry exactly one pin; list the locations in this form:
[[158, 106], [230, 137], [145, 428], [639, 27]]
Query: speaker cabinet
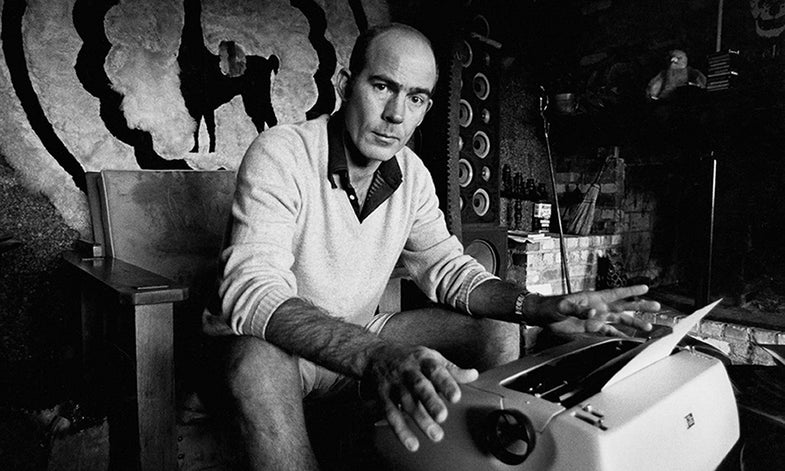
[[478, 164], [459, 142], [478, 141], [488, 245]]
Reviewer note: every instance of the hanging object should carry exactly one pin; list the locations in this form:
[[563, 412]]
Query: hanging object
[[677, 74], [583, 217]]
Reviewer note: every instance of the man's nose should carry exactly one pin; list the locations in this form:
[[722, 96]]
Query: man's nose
[[394, 109]]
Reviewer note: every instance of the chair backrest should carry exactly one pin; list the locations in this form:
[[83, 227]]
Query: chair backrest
[[170, 222]]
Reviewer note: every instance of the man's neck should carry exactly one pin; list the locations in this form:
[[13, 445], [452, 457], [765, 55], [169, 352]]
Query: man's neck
[[360, 167]]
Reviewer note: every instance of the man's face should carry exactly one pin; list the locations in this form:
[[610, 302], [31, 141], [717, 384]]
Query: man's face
[[388, 99]]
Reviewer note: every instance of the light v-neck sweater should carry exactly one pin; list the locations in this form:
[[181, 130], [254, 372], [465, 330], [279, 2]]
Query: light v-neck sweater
[[295, 235]]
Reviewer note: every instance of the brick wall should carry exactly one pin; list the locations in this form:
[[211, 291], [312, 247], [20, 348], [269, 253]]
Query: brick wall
[[734, 340], [571, 185], [619, 209], [537, 264]]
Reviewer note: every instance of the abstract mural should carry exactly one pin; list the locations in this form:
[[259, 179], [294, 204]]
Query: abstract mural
[[160, 84]]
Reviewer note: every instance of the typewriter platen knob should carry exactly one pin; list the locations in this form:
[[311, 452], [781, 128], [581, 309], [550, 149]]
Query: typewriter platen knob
[[509, 436]]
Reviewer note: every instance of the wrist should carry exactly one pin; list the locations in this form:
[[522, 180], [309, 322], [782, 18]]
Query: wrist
[[525, 306]]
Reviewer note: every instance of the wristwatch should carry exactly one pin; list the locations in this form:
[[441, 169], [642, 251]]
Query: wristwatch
[[519, 307]]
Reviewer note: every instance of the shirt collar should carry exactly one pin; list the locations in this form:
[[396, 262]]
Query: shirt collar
[[336, 154]]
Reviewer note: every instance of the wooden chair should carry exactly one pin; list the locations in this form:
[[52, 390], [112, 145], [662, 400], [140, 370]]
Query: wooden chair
[[143, 285]]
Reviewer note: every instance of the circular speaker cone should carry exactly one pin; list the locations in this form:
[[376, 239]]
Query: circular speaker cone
[[465, 113], [481, 144], [485, 116], [460, 203], [481, 202], [480, 26], [465, 54], [486, 173], [465, 173], [460, 143], [481, 86], [485, 253]]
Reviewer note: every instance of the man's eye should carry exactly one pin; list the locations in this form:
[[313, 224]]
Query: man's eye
[[380, 86], [417, 100]]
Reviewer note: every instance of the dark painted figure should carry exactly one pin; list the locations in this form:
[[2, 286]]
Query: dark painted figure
[[208, 81]]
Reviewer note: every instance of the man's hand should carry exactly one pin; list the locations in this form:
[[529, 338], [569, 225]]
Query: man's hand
[[413, 381], [595, 311]]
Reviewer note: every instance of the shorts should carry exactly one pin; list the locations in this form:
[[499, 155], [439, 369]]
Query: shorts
[[318, 382]]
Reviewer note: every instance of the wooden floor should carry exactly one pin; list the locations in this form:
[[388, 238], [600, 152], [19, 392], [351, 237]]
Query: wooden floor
[[763, 450], [763, 434], [198, 449], [86, 450]]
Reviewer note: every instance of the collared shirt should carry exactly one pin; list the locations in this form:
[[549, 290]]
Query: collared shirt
[[386, 178]]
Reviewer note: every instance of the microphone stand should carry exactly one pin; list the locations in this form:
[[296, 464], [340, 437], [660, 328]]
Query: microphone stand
[[545, 125]]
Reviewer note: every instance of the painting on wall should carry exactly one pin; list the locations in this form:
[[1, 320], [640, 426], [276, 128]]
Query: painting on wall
[[160, 84]]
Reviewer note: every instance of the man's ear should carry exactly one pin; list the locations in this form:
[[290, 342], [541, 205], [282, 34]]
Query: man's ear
[[344, 84], [428, 107]]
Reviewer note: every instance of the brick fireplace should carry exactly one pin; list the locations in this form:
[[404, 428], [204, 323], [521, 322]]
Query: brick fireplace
[[535, 263], [623, 230]]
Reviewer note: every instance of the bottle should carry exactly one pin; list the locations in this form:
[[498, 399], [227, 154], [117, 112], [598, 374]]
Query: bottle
[[506, 179], [517, 186], [542, 193], [529, 191], [542, 210]]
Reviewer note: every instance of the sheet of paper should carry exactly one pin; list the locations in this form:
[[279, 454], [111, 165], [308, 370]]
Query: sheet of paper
[[662, 347]]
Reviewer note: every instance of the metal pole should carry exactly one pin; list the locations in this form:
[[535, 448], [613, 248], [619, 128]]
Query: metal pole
[[563, 250], [719, 26], [705, 295]]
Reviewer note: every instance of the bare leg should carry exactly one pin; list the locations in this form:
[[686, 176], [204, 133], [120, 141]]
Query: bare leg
[[467, 341], [266, 400]]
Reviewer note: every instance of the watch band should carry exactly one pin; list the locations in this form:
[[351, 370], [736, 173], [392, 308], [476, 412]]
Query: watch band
[[519, 307]]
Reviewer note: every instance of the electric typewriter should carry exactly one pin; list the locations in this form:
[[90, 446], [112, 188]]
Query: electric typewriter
[[595, 403]]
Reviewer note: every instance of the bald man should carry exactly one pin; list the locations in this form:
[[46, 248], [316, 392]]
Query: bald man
[[323, 211]]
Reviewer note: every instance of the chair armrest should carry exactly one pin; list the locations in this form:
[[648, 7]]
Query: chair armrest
[[132, 284]]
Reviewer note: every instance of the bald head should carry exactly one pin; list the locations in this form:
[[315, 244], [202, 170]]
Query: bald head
[[372, 36]]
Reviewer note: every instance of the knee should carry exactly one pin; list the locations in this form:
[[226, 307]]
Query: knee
[[252, 367], [499, 343]]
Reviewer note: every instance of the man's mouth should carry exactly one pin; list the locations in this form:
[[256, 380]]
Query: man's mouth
[[385, 137]]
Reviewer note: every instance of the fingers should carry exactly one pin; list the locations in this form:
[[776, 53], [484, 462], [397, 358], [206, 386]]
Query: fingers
[[417, 390], [398, 424], [629, 319], [624, 318], [626, 292], [421, 417], [610, 331], [617, 298], [424, 393], [638, 305], [586, 304], [462, 375]]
